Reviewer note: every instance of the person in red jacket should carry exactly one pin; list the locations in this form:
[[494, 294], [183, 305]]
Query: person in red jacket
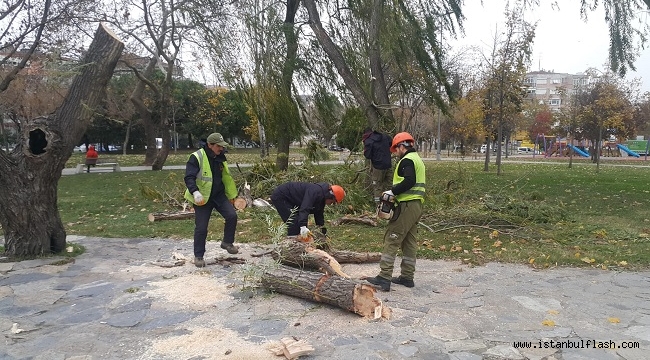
[[91, 157]]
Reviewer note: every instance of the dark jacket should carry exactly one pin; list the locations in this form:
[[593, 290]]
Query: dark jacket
[[309, 198], [216, 165], [376, 148]]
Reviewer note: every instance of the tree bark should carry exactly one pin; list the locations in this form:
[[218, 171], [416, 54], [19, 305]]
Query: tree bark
[[351, 257], [29, 176], [284, 125], [324, 288]]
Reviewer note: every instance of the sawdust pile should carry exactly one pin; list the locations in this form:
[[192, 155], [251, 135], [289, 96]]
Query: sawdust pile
[[195, 291], [212, 343]]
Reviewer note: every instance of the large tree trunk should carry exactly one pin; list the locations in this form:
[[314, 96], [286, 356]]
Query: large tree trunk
[[284, 125], [328, 289], [29, 176], [335, 55], [137, 98]]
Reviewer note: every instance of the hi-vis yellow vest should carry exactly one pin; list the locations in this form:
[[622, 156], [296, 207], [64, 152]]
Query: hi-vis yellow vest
[[417, 191], [204, 178]]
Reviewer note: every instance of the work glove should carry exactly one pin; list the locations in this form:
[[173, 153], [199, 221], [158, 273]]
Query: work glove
[[198, 198], [387, 195], [304, 232], [323, 230]]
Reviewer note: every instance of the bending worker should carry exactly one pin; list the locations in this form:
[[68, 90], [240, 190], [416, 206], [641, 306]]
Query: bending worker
[[294, 201], [408, 189], [210, 186]]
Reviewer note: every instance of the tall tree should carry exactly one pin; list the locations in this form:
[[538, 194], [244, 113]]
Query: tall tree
[[155, 28], [506, 74], [606, 111], [30, 173]]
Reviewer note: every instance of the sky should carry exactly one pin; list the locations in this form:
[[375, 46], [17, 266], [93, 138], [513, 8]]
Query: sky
[[563, 42]]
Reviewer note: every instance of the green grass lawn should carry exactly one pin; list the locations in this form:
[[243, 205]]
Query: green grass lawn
[[544, 215]]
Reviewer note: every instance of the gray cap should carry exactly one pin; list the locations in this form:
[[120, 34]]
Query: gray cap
[[216, 138]]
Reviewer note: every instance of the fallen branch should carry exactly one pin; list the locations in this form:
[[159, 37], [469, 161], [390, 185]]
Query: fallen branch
[[181, 215], [354, 220]]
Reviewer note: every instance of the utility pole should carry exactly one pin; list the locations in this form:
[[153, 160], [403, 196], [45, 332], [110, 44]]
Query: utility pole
[[439, 110], [438, 141]]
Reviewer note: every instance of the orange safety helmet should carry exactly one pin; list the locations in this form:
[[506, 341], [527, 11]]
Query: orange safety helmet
[[399, 139], [338, 192]]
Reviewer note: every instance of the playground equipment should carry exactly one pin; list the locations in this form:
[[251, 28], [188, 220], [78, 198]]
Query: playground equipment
[[628, 151], [578, 151]]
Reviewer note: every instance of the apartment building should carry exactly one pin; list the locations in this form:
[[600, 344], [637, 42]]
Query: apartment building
[[553, 89]]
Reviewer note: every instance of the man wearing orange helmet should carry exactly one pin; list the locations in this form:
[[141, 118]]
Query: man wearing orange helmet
[[408, 189], [294, 201]]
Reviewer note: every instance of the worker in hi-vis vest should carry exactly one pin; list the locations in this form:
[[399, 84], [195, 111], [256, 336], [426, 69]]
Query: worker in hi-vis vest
[[408, 190], [210, 186]]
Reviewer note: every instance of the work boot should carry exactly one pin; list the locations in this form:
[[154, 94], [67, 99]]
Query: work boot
[[384, 284], [232, 249], [199, 262], [403, 281]]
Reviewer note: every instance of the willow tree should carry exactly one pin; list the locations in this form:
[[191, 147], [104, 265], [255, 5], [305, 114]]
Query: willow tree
[[377, 47], [30, 173]]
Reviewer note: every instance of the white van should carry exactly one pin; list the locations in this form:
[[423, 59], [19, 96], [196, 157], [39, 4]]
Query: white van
[[483, 148], [525, 150]]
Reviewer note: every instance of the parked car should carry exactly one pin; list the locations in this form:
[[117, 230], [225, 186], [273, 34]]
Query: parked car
[[483, 148], [525, 150], [336, 148]]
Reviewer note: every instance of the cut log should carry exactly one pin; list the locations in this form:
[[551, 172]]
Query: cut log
[[351, 257], [182, 215], [305, 256], [354, 220], [240, 203], [328, 289]]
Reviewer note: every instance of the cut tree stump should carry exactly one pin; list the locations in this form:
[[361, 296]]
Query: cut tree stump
[[182, 215], [240, 203], [304, 255], [244, 198], [328, 289]]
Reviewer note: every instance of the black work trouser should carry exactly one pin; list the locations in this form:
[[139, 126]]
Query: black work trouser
[[289, 214], [202, 217]]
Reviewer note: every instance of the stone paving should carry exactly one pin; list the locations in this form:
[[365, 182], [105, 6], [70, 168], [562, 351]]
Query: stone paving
[[113, 303]]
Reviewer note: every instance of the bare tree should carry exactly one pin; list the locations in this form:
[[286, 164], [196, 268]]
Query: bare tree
[[157, 31]]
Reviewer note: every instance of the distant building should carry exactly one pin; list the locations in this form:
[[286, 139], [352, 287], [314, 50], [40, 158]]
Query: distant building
[[553, 89]]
